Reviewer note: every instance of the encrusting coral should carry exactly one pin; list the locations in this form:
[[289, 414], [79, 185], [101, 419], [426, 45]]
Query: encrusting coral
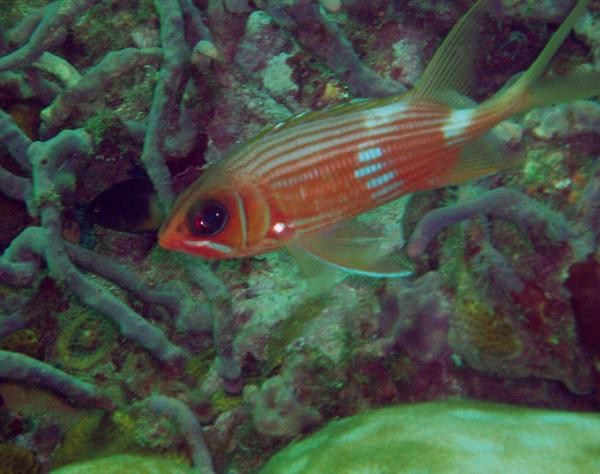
[[447, 437], [85, 341]]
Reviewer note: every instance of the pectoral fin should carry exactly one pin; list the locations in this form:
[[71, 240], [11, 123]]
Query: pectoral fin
[[320, 276]]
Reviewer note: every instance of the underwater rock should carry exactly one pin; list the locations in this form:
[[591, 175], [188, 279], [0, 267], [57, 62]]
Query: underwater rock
[[277, 410], [126, 463], [408, 57], [582, 283], [550, 10], [128, 206], [588, 27], [564, 120], [13, 220], [277, 77], [527, 333], [420, 323], [448, 437]]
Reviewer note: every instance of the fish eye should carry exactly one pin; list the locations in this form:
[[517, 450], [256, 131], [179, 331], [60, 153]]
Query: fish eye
[[207, 218]]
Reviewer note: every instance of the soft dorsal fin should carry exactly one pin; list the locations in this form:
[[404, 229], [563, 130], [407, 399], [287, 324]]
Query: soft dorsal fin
[[450, 70]]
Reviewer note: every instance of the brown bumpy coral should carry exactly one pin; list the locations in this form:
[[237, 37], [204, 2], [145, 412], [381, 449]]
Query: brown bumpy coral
[[488, 332], [25, 341], [483, 332]]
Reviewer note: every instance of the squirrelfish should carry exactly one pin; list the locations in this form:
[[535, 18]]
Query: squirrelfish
[[299, 184]]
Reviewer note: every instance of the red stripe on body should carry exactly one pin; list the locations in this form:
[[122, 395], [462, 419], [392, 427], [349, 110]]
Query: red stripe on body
[[318, 189], [288, 141]]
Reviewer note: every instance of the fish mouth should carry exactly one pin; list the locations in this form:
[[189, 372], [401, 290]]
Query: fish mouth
[[167, 238], [168, 244]]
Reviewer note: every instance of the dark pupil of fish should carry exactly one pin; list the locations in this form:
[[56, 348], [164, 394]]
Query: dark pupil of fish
[[208, 219]]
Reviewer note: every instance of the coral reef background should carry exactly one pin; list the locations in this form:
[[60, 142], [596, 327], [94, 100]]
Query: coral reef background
[[111, 345]]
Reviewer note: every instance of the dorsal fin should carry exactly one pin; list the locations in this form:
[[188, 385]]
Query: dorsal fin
[[450, 70], [356, 105]]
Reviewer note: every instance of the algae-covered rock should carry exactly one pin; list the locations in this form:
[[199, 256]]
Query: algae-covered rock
[[448, 437], [128, 464]]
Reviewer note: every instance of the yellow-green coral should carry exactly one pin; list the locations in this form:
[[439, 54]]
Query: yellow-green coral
[[99, 434], [85, 338], [291, 329], [197, 366], [223, 402], [124, 421], [77, 442], [118, 432], [139, 431], [154, 434], [17, 460]]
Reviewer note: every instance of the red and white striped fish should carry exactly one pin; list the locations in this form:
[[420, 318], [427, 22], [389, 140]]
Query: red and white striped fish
[[295, 184]]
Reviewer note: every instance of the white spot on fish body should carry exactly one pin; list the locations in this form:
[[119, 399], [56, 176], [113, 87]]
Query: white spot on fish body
[[384, 115], [279, 228], [387, 189], [384, 178], [457, 124], [369, 154], [367, 170]]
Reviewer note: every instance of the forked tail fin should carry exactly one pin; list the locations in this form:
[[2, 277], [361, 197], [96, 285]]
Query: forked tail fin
[[532, 90]]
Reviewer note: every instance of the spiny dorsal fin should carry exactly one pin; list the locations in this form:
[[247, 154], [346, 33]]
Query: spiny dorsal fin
[[356, 105], [450, 70]]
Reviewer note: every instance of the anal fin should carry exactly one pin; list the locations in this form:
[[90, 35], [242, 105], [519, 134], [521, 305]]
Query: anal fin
[[352, 248]]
